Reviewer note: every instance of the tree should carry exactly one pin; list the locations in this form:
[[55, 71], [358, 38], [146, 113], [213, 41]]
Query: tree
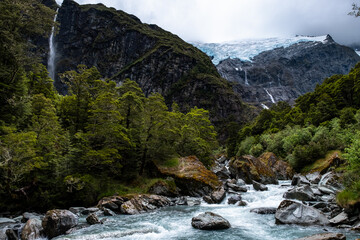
[[20, 21], [17, 158], [83, 87]]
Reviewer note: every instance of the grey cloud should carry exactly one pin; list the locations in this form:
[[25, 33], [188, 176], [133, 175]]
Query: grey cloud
[[228, 20]]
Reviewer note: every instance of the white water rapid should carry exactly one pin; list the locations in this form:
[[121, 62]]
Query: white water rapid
[[175, 222], [52, 52]]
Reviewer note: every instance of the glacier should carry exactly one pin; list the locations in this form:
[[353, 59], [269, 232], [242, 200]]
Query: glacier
[[248, 48]]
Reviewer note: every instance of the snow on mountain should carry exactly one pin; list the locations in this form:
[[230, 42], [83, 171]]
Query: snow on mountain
[[247, 49]]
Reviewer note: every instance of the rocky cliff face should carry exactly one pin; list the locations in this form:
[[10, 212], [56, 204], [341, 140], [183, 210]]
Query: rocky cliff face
[[120, 46], [283, 74]]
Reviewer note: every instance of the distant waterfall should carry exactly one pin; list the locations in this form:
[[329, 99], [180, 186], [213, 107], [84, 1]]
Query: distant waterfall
[[246, 79], [271, 97], [52, 52]]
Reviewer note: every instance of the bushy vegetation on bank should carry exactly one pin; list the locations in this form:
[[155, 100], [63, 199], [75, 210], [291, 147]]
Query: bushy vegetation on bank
[[320, 121]]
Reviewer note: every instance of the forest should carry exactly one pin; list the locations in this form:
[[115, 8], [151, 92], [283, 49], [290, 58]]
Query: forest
[[103, 138]]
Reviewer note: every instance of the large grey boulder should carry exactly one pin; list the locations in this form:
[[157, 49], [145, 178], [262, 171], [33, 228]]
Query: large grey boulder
[[325, 236], [234, 199], [237, 188], [209, 221], [303, 193], [264, 210], [144, 203], [291, 212], [330, 183], [92, 219], [32, 230], [299, 180], [259, 187], [56, 222], [314, 178], [341, 218], [217, 196]]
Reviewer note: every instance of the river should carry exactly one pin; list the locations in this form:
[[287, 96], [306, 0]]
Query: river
[[175, 222]]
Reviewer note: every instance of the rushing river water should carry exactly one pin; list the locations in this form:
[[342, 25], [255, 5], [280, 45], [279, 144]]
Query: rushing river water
[[175, 222]]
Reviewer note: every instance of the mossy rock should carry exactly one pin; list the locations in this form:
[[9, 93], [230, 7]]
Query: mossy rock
[[251, 169], [282, 170], [191, 176]]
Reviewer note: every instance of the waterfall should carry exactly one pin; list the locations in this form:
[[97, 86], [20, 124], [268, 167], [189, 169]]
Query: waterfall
[[246, 79], [52, 52], [271, 97]]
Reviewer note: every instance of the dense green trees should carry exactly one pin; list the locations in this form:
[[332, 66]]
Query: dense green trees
[[96, 135]]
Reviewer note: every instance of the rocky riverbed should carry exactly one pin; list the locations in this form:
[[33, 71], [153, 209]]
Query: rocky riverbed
[[285, 209]]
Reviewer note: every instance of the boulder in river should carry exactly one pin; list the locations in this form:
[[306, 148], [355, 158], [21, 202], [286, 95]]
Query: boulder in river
[[259, 187], [56, 222], [325, 236], [290, 212], [264, 210], [298, 180], [92, 219], [113, 202], [210, 221], [251, 169], [143, 203], [191, 177], [302, 193], [330, 183], [236, 187], [32, 229], [341, 218], [234, 199]]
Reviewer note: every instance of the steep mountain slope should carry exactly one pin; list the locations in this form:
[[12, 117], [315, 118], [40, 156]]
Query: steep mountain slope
[[283, 74], [120, 46]]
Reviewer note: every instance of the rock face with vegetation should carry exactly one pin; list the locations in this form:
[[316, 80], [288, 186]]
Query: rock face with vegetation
[[121, 46], [287, 73], [251, 169], [191, 176]]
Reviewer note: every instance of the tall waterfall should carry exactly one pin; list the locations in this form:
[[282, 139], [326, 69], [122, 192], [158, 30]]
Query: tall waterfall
[[271, 97], [246, 79], [52, 52]]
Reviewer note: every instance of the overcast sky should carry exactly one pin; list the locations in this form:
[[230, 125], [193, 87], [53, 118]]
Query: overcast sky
[[229, 20]]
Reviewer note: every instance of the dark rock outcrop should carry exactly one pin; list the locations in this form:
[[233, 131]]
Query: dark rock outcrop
[[121, 47], [290, 212], [283, 74], [209, 221], [164, 188], [57, 222], [325, 236]]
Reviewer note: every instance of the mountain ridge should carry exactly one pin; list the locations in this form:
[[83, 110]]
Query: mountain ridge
[[121, 47]]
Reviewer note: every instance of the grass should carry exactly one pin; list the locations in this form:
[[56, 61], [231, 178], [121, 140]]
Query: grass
[[140, 185], [320, 164]]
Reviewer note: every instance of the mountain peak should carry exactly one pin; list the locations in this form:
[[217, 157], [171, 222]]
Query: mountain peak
[[329, 39]]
